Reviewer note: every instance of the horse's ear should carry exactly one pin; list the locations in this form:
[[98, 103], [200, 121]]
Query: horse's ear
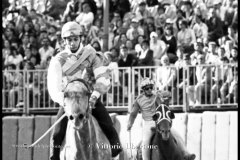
[[172, 115], [155, 117]]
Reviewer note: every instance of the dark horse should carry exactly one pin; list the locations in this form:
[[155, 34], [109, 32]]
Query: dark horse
[[169, 144], [84, 138]]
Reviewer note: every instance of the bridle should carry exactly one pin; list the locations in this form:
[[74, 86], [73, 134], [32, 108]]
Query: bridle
[[89, 109]]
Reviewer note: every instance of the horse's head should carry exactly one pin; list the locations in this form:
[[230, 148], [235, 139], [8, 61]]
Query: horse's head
[[76, 106], [163, 118]]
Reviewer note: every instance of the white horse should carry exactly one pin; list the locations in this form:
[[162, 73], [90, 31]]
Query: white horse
[[84, 139]]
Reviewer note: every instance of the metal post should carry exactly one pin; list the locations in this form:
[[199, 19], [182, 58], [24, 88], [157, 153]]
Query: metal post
[[105, 24]]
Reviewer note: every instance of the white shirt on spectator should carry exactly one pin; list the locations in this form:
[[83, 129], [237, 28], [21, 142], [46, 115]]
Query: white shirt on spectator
[[143, 54], [165, 77], [186, 37], [158, 48], [46, 53], [131, 30], [200, 30], [10, 59], [85, 18]]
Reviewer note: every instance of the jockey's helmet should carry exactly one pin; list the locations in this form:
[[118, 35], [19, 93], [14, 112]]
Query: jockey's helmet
[[145, 82], [71, 29]]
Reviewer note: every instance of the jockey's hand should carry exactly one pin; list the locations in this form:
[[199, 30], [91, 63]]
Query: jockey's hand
[[129, 126], [92, 101]]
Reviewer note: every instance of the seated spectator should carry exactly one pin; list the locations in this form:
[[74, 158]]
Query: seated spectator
[[125, 59], [198, 50], [165, 75], [142, 12], [86, 16], [234, 55], [158, 47], [71, 10], [146, 56], [120, 40], [13, 57], [214, 25], [134, 28], [46, 50], [185, 36], [200, 28], [171, 42], [211, 56], [6, 49]]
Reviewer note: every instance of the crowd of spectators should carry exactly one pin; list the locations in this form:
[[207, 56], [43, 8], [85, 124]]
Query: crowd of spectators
[[141, 33]]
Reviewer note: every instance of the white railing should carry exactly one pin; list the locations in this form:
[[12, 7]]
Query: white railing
[[26, 91]]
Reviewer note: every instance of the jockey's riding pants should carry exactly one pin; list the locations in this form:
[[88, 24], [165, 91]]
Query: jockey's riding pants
[[104, 120]]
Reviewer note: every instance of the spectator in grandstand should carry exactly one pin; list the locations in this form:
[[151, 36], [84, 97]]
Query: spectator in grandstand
[[6, 49], [204, 81], [13, 57], [71, 10], [212, 56], [198, 49], [185, 36], [220, 75], [146, 56], [138, 47], [25, 44], [232, 96], [228, 47], [171, 42], [200, 28], [134, 28], [227, 15], [142, 12], [214, 25], [46, 50], [23, 14], [231, 35], [165, 75], [120, 40], [125, 59], [234, 55], [187, 78], [52, 35], [122, 6], [11, 34], [160, 18], [86, 16], [27, 29], [130, 49], [158, 47]]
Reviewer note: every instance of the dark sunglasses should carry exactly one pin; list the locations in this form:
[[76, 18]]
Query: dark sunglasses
[[147, 88]]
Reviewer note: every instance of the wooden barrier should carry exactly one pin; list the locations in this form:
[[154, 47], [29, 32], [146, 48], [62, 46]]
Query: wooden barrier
[[210, 135], [9, 138]]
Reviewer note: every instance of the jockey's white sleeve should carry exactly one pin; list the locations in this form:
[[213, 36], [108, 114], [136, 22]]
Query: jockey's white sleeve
[[54, 81]]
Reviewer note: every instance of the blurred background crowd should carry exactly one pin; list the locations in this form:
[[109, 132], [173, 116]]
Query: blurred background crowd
[[174, 33]]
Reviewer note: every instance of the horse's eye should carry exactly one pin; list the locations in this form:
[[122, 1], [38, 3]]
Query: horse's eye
[[81, 116], [71, 117]]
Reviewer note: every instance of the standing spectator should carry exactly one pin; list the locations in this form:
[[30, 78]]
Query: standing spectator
[[188, 11], [25, 44], [120, 40], [234, 55], [21, 17], [214, 25], [46, 50], [200, 28], [227, 15], [185, 36], [125, 59], [160, 15], [138, 47], [204, 78], [158, 47], [198, 49], [231, 35], [6, 49]]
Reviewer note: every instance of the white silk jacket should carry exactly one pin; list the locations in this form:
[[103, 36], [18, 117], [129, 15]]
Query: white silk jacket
[[90, 68]]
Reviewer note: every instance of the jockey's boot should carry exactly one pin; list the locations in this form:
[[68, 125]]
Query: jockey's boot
[[106, 124], [57, 136]]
